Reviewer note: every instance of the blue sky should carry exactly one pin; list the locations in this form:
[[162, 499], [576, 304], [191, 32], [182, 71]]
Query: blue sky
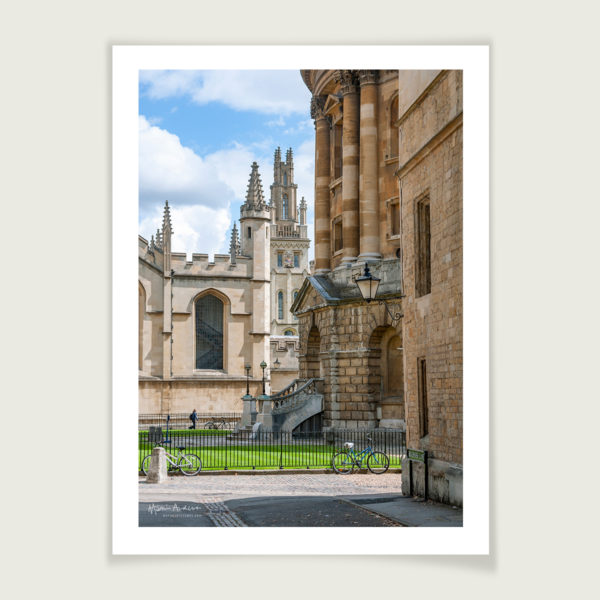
[[199, 133]]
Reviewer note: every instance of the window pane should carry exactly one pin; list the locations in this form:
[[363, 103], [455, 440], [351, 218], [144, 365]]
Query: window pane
[[209, 333], [280, 305]]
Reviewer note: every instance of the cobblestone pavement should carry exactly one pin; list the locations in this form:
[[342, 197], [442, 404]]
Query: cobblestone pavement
[[298, 500], [229, 487]]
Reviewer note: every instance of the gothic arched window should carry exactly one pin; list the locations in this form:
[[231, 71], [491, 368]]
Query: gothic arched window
[[280, 305], [209, 333], [285, 207], [285, 179]]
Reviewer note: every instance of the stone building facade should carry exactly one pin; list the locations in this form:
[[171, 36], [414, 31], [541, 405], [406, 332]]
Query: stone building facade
[[388, 193], [202, 322]]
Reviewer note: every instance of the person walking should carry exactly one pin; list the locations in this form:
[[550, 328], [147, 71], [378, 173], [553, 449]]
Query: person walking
[[193, 419]]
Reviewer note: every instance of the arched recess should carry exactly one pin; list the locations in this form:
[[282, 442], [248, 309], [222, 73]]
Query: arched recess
[[313, 350], [386, 361], [211, 323]]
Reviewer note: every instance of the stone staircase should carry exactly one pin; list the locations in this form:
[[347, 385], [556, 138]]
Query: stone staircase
[[284, 411]]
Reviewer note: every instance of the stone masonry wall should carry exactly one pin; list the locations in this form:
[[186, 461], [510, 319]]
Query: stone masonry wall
[[349, 360], [432, 324]]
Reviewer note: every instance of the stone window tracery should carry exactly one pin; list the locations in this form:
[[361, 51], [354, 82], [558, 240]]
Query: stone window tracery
[[209, 332], [284, 203]]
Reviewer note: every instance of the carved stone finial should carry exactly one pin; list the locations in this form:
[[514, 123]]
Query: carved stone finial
[[368, 77], [166, 226]]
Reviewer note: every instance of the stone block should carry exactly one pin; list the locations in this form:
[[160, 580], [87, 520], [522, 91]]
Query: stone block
[[158, 466]]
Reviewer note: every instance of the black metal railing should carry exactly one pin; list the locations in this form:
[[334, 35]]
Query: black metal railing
[[264, 450], [178, 421]]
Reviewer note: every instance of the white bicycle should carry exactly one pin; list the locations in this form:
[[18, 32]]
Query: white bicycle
[[188, 464]]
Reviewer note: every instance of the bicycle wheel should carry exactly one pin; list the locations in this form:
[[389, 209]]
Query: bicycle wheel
[[146, 464], [342, 463], [378, 462], [189, 464], [210, 425]]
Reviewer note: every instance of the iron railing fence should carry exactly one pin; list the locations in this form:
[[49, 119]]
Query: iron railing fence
[[263, 450], [182, 421]]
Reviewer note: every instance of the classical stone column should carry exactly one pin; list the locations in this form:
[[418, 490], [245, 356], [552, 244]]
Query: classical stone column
[[322, 178], [369, 196], [350, 155]]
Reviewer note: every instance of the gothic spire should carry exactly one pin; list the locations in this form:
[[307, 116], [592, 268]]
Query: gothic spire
[[289, 156], [254, 195], [167, 219], [234, 244]]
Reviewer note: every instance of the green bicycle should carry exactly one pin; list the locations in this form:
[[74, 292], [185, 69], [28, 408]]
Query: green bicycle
[[346, 460]]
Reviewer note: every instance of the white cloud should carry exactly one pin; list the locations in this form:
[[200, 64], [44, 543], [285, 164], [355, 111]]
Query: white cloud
[[278, 122], [302, 125], [271, 92], [170, 171]]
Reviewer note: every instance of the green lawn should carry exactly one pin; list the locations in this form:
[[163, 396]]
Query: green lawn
[[262, 456]]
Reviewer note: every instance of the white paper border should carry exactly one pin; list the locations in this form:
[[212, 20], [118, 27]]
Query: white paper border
[[473, 537]]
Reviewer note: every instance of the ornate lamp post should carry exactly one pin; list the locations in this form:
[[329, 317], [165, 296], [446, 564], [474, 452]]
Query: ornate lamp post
[[247, 367], [263, 366], [368, 284]]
